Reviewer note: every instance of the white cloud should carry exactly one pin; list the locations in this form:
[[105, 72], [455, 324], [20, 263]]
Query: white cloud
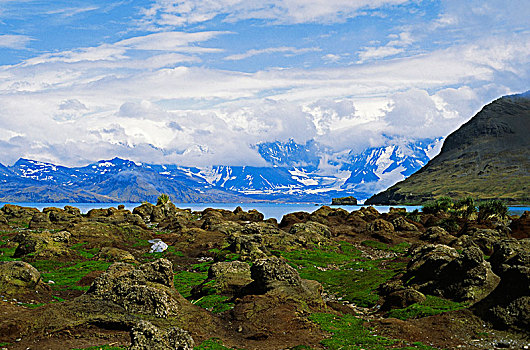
[[17, 42], [83, 105], [271, 50], [175, 13], [71, 11], [393, 47]]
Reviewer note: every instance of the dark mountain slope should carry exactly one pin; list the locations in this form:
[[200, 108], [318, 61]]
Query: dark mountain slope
[[486, 158]]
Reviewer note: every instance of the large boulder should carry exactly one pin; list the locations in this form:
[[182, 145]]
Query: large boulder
[[43, 245], [40, 221], [18, 276], [294, 218], [115, 255], [401, 224], [146, 336], [146, 289], [271, 272], [261, 228], [382, 230], [483, 238], [440, 270], [310, 232], [437, 235], [509, 305], [249, 246], [225, 278], [251, 215], [18, 214], [275, 278]]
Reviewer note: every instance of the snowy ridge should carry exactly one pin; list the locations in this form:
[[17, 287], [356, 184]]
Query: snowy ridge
[[337, 174]]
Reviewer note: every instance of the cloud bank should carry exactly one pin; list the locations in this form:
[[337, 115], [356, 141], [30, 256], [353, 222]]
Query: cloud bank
[[181, 91]]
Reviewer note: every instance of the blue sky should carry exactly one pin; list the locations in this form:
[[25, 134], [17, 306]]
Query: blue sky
[[200, 82]]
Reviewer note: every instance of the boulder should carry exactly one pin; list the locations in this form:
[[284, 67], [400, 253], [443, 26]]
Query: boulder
[[268, 273], [213, 223], [509, 305], [368, 213], [250, 247], [261, 228], [310, 232], [4, 224], [57, 215], [442, 271], [294, 218], [146, 289], [402, 298], [115, 255], [251, 215], [146, 336], [17, 213], [275, 278], [483, 238], [401, 224], [381, 230], [437, 235], [40, 221], [226, 278], [42, 245], [18, 276]]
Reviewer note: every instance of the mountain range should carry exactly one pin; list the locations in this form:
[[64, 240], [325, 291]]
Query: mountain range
[[486, 158], [295, 173]]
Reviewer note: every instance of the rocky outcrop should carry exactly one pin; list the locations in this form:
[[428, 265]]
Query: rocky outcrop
[[115, 255], [509, 305], [43, 245], [224, 278], [146, 289], [437, 235], [442, 271], [344, 201], [310, 233], [146, 336], [18, 277]]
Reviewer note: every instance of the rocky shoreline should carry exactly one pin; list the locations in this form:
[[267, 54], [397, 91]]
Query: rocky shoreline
[[160, 277]]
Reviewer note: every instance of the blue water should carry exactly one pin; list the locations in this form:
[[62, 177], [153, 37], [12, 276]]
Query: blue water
[[269, 210]]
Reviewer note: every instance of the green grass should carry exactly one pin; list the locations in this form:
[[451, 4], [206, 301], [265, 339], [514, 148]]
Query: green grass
[[431, 306], [398, 248], [214, 303], [66, 276], [185, 280], [349, 333], [212, 344], [343, 271], [6, 249], [85, 253]]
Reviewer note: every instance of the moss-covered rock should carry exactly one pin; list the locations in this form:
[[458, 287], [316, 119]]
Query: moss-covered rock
[[442, 271], [146, 336], [509, 305], [115, 255], [147, 289], [437, 235], [17, 277], [43, 245]]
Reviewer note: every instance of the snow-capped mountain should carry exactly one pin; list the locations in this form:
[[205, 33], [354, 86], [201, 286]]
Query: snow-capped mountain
[[296, 173]]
